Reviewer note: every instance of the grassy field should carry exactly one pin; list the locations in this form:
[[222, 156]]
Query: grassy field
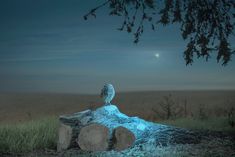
[[28, 122], [42, 134]]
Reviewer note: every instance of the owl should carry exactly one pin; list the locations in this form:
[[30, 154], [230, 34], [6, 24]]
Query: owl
[[107, 93]]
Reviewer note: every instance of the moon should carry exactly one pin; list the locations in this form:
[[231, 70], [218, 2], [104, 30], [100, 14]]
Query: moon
[[157, 55]]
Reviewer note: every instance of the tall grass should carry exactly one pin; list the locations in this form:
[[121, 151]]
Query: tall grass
[[211, 123], [42, 134], [29, 136]]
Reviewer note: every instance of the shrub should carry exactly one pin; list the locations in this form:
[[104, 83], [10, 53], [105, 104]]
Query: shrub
[[168, 108]]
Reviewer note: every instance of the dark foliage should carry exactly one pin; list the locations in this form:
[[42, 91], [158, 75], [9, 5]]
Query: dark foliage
[[205, 24]]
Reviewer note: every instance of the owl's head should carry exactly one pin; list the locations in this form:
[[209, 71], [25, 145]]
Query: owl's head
[[108, 85]]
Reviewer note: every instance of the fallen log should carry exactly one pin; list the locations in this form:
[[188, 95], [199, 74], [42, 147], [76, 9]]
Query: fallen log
[[105, 128]]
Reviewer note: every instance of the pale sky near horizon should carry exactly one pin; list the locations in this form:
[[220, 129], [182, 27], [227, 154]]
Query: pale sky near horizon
[[46, 46]]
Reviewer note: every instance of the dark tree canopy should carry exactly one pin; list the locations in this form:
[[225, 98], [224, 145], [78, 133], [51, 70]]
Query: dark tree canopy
[[205, 24]]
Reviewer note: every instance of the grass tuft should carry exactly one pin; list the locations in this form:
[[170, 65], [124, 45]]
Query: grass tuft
[[212, 123], [29, 136]]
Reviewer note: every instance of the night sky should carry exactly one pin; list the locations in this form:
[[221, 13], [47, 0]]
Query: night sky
[[46, 46]]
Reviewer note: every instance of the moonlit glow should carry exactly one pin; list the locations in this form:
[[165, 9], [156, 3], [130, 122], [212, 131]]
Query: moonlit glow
[[157, 55]]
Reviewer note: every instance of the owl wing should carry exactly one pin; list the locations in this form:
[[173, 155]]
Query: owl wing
[[104, 91]]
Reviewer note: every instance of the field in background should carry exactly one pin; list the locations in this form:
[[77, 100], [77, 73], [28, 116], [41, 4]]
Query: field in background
[[16, 108]]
